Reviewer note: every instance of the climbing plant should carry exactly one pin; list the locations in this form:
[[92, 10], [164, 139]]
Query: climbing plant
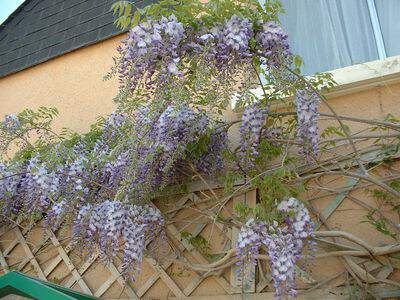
[[181, 67]]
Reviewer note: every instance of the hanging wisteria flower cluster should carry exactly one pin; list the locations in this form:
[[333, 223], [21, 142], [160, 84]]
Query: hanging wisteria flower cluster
[[253, 120], [112, 223], [274, 43], [284, 243], [10, 123], [230, 41], [151, 46], [129, 162], [167, 45], [307, 116]]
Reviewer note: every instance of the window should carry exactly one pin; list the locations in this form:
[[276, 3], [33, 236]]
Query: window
[[331, 34], [388, 12]]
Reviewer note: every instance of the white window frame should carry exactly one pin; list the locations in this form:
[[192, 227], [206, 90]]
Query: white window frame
[[364, 76], [376, 27]]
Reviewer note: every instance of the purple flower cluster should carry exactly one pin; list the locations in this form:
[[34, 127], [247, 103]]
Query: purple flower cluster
[[229, 42], [298, 219], [132, 158], [307, 116], [251, 237], [9, 185], [253, 120], [151, 46], [40, 186], [283, 253], [11, 123], [55, 214], [116, 226], [284, 243], [164, 151], [236, 35], [273, 42], [211, 162], [163, 45], [114, 125]]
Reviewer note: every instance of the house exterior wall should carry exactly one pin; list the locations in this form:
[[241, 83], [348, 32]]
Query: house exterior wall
[[74, 84]]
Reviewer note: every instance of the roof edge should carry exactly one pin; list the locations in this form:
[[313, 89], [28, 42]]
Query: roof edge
[[14, 13]]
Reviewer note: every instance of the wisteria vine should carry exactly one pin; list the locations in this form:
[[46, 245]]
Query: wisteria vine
[[169, 125], [284, 243]]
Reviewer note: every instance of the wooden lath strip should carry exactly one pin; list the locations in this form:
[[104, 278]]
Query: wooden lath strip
[[15, 242], [197, 255], [118, 277], [189, 289], [106, 285], [3, 263], [337, 200], [166, 278], [159, 269], [83, 269], [35, 250], [63, 254], [56, 261], [153, 278], [11, 246], [29, 254]]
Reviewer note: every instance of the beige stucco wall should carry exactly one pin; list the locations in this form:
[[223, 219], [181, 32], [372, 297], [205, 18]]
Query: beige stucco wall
[[74, 84]]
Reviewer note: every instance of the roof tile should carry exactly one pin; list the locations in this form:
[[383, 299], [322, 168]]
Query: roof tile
[[43, 29]]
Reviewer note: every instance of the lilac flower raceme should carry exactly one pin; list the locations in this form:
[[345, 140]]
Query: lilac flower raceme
[[165, 148], [284, 243], [307, 116], [253, 119], [111, 222], [40, 186], [11, 123], [212, 162], [8, 189], [252, 235], [57, 192], [114, 124], [283, 253], [289, 243], [148, 45], [232, 39], [55, 213], [273, 42], [298, 218]]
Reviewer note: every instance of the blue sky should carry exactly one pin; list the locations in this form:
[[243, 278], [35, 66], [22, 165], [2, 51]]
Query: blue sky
[[7, 7]]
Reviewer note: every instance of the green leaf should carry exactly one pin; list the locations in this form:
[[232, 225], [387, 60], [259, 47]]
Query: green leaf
[[136, 18]]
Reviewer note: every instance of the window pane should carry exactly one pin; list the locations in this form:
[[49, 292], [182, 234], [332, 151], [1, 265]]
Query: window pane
[[389, 19], [329, 34]]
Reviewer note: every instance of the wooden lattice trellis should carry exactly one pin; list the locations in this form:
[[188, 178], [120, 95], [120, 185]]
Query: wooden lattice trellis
[[74, 272], [50, 256]]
